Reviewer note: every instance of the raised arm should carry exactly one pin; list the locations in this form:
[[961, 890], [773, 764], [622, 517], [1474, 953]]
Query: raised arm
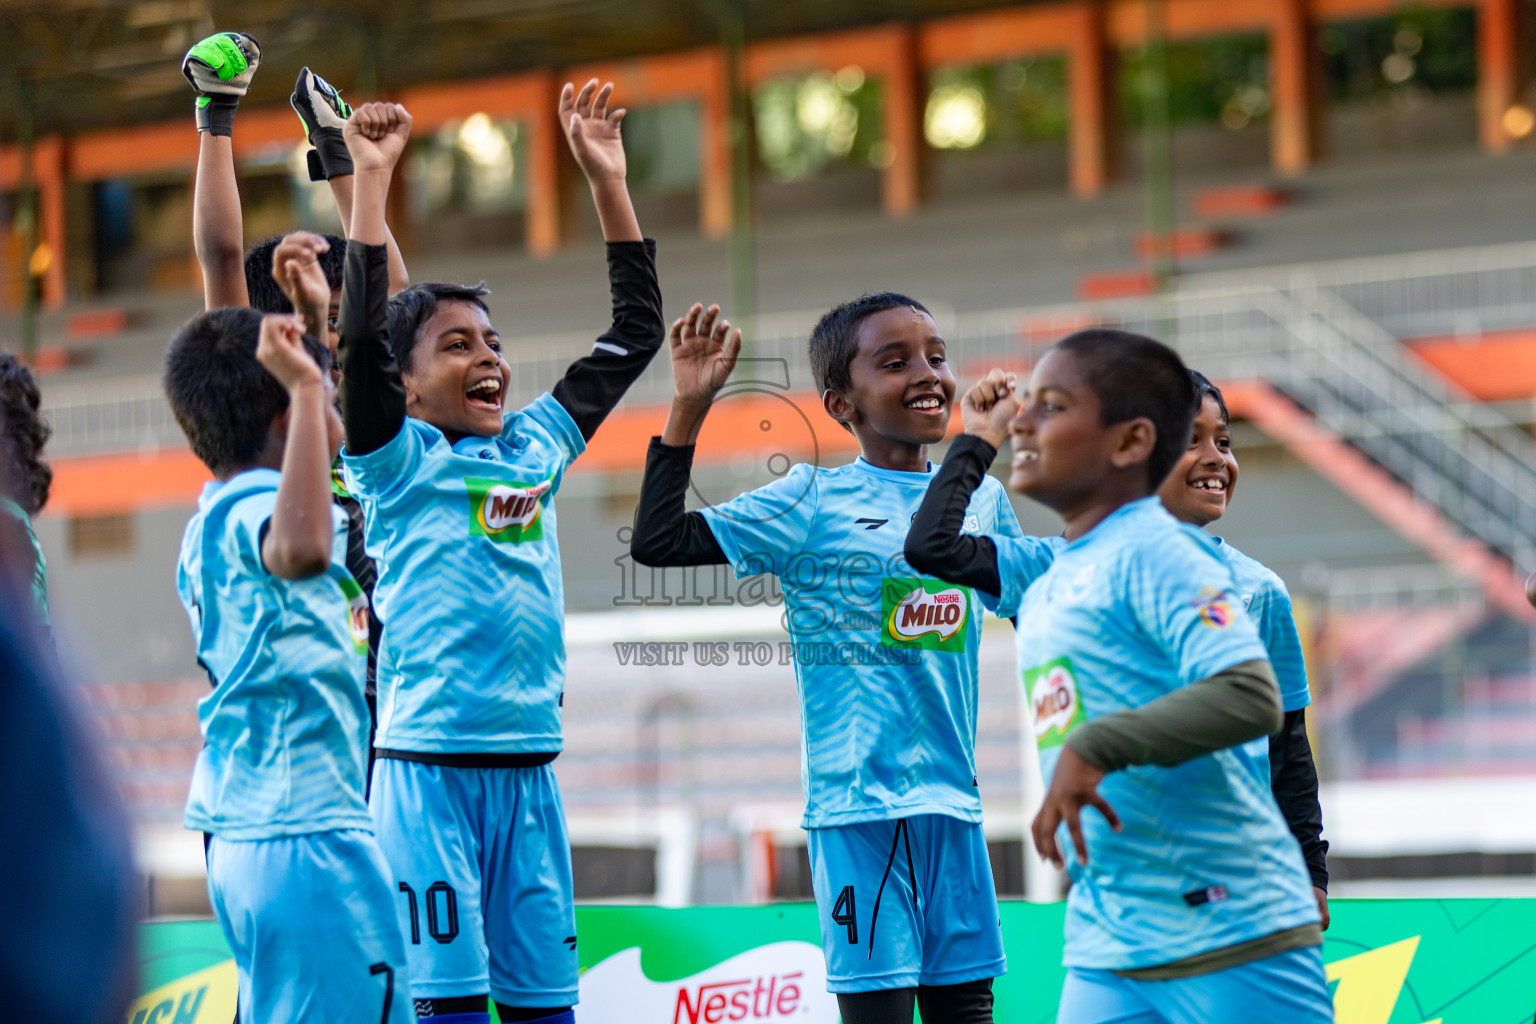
[[704, 351], [372, 393], [594, 384], [299, 538], [219, 69], [296, 269], [935, 546], [324, 113]]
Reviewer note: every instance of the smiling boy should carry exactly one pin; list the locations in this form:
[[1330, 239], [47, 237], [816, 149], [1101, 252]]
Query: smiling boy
[[1190, 902], [457, 493], [886, 660]]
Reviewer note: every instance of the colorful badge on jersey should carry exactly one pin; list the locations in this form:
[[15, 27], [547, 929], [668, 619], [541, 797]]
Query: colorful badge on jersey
[[338, 485], [928, 615], [506, 513], [357, 609], [1215, 608], [1054, 701]]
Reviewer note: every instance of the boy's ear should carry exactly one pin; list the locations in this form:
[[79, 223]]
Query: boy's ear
[[277, 433], [1134, 444], [839, 408]]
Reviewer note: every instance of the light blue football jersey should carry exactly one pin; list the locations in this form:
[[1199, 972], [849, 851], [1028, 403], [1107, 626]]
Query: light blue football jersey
[[885, 659], [285, 730], [1138, 607], [472, 656], [1263, 594], [1022, 560]]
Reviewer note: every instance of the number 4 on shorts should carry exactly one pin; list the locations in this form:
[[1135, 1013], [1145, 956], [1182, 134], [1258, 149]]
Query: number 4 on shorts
[[843, 913]]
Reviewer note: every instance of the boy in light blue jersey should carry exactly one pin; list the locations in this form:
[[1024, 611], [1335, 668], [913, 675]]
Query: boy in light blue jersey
[[457, 496], [1195, 492], [299, 885], [885, 659], [1190, 902]]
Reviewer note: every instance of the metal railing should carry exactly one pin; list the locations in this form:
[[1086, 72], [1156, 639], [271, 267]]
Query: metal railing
[[1317, 333]]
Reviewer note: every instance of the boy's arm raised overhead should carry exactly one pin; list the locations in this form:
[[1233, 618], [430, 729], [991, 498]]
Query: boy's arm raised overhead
[[935, 544], [1001, 565], [704, 351], [297, 271], [372, 393], [299, 537], [593, 385], [219, 69], [324, 113]]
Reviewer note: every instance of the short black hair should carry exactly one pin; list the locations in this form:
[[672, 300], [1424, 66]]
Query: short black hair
[[1205, 389], [1133, 377], [26, 476], [222, 398], [264, 294], [834, 339], [414, 306]]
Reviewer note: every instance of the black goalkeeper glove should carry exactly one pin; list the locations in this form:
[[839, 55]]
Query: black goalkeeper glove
[[324, 113]]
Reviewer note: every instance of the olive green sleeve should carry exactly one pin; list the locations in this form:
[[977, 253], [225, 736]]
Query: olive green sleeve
[[1229, 708]]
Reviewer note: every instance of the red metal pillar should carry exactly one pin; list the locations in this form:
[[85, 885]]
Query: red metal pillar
[[1091, 150], [546, 218], [1292, 122], [902, 187], [1498, 70]]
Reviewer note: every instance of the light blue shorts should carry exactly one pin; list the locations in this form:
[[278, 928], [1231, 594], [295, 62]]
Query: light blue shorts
[[482, 880], [905, 903], [1287, 988], [312, 927]]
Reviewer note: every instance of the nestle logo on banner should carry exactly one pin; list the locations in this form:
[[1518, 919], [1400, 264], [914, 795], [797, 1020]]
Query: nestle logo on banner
[[777, 983], [763, 998]]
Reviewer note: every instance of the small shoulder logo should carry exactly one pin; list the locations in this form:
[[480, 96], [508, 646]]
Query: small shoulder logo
[[1215, 608], [871, 524]]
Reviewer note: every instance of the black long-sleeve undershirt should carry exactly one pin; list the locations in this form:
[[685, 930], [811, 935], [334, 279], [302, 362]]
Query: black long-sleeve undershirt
[[1293, 779], [935, 546], [665, 534], [593, 384], [373, 395]]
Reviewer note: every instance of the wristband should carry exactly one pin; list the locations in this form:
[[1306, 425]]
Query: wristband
[[216, 114]]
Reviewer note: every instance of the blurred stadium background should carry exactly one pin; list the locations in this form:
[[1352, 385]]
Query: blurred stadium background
[[1325, 204]]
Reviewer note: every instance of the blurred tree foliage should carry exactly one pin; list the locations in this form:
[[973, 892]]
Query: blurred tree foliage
[[1224, 79], [1434, 49]]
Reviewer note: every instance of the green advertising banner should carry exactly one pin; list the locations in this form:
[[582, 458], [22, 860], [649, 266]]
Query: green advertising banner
[[1389, 962]]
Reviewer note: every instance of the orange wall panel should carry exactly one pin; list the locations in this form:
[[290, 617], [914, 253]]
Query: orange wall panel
[[998, 35], [1493, 367], [505, 96], [101, 485]]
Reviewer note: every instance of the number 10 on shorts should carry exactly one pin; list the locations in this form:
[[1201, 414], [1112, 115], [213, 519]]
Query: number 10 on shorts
[[442, 912]]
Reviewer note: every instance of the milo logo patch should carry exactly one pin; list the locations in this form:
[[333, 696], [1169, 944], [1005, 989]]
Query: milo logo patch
[[357, 612], [1054, 701], [926, 614], [506, 513]]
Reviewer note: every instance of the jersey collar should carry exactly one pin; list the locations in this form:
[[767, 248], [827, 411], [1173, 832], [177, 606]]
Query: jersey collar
[[260, 478], [895, 475]]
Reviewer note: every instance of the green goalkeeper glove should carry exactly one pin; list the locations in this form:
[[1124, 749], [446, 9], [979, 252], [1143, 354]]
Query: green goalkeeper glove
[[220, 69]]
